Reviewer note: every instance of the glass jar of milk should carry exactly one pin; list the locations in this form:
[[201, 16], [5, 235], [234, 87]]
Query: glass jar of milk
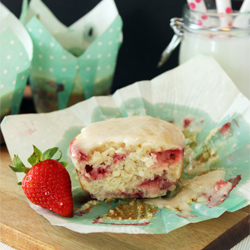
[[224, 36]]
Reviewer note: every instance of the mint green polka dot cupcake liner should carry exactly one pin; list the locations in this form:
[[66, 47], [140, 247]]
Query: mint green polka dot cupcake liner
[[15, 58], [63, 74]]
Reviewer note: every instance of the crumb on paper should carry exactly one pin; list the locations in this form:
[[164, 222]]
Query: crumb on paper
[[86, 207], [134, 209]]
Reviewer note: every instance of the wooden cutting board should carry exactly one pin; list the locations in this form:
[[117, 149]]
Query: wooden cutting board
[[22, 228]]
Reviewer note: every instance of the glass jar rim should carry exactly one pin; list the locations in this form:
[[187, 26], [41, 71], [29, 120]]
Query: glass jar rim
[[190, 15], [234, 13]]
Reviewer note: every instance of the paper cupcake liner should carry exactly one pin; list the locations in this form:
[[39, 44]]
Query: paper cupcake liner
[[188, 92], [15, 57], [71, 64]]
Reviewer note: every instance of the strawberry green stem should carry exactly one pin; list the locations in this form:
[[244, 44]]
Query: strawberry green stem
[[35, 158], [18, 165]]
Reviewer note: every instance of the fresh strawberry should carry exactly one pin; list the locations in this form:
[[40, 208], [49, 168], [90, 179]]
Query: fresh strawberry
[[47, 183]]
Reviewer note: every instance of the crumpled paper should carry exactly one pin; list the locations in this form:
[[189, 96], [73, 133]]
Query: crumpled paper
[[72, 63], [15, 58], [189, 91]]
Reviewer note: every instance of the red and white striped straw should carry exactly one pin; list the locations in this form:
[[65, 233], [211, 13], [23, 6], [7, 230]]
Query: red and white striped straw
[[199, 6], [225, 7]]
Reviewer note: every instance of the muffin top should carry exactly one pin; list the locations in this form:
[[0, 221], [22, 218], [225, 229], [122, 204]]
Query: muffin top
[[132, 131]]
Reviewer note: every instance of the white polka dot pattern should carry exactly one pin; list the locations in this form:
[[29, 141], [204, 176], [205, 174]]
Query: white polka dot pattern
[[94, 66], [14, 71]]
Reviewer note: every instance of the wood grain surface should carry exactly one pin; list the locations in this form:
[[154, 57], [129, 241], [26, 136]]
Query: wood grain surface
[[22, 228]]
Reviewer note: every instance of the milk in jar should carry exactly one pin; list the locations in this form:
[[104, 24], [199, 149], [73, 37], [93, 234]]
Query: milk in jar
[[230, 46]]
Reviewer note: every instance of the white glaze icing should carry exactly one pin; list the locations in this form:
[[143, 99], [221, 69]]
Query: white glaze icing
[[195, 190], [133, 131]]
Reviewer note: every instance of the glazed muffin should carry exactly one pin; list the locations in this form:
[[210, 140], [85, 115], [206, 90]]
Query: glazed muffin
[[137, 156]]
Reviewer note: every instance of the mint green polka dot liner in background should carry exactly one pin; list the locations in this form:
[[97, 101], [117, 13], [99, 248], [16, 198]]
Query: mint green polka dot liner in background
[[71, 64], [15, 59]]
